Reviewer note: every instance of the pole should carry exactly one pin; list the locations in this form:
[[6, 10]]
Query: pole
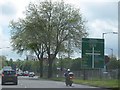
[[104, 56], [93, 57], [111, 52], [103, 35]]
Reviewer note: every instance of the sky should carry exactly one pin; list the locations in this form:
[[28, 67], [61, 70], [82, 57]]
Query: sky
[[102, 17]]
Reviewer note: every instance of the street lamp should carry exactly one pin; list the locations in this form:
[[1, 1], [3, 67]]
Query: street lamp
[[110, 48], [103, 34], [108, 33], [111, 52]]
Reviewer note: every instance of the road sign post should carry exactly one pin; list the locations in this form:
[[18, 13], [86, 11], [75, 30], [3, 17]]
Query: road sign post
[[93, 57]]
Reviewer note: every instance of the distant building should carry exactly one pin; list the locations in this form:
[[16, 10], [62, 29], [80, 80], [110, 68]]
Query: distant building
[[31, 57], [34, 58]]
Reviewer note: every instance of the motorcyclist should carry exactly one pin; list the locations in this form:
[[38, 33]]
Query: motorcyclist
[[67, 76], [67, 72]]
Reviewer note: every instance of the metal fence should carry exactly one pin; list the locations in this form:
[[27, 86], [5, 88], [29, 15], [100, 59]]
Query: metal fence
[[91, 74]]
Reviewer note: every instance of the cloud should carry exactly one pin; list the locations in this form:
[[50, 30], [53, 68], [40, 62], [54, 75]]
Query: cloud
[[103, 10], [102, 16], [98, 27], [8, 9], [5, 47], [99, 1], [5, 42], [104, 26], [1, 35]]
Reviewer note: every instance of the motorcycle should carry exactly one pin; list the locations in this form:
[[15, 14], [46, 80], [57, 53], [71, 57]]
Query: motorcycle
[[69, 79]]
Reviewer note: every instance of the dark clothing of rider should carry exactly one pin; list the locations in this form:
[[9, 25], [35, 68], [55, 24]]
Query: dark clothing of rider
[[67, 73]]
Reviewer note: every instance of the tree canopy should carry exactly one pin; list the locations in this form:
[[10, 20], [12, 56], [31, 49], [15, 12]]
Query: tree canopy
[[46, 30]]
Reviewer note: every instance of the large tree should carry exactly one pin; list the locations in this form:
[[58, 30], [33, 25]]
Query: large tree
[[26, 35], [48, 27]]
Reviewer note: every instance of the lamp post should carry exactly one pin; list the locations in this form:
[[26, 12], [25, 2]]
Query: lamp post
[[108, 33], [103, 34], [111, 52]]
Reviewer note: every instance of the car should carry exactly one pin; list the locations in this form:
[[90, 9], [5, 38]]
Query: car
[[7, 68], [31, 74], [20, 74], [25, 73], [9, 76]]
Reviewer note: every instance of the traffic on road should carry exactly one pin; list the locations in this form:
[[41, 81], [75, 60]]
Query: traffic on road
[[32, 81], [35, 82]]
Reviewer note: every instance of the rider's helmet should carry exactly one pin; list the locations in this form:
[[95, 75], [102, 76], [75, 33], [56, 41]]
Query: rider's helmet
[[68, 70]]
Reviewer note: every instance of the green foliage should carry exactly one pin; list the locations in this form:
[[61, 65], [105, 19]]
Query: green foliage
[[113, 64], [10, 62], [64, 63], [19, 63], [27, 65], [99, 83], [96, 83], [73, 64], [47, 27], [4, 61], [76, 64]]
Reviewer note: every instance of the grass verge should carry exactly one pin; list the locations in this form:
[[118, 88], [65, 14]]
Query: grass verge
[[97, 83]]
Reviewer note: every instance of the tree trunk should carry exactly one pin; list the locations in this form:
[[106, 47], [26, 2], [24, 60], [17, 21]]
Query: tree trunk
[[41, 68], [50, 68]]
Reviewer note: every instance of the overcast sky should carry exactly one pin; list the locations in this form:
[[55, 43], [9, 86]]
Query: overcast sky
[[102, 17]]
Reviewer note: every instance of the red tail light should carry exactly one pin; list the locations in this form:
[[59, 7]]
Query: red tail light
[[2, 75]]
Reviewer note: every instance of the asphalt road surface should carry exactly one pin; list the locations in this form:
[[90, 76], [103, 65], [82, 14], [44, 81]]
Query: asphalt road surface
[[29, 82]]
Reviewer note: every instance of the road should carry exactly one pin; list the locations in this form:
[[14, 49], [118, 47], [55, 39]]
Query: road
[[26, 82]]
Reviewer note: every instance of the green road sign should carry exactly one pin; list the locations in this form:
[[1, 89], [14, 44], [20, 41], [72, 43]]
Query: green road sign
[[92, 53]]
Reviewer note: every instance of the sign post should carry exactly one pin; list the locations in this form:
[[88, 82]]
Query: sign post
[[93, 57]]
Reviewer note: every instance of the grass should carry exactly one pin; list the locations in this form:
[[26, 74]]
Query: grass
[[97, 83]]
